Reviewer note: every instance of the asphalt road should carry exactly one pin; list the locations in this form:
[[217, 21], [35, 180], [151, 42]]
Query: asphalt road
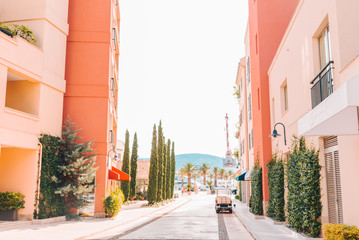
[[194, 219]]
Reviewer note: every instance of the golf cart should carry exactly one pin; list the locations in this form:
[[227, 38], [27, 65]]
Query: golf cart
[[223, 200]]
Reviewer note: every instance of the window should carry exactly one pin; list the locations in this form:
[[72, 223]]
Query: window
[[114, 37], [284, 96], [249, 107], [324, 48], [248, 70], [111, 137]]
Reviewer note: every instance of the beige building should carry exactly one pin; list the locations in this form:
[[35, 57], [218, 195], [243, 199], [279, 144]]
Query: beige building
[[245, 133], [32, 86], [314, 84]]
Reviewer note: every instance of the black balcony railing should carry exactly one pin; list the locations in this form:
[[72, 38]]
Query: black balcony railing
[[322, 85]]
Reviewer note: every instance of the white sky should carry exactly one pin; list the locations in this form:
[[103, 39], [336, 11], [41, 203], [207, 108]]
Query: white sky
[[178, 63]]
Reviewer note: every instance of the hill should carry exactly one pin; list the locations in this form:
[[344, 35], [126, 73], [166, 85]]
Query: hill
[[198, 159]]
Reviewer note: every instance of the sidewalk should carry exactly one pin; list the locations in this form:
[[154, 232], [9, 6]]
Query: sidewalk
[[87, 228], [261, 229]]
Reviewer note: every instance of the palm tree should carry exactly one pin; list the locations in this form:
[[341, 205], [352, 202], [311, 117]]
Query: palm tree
[[196, 174], [189, 168], [230, 174], [182, 173], [211, 175], [215, 172], [204, 168], [221, 173]]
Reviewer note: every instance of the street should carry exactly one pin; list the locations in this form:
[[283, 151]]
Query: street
[[190, 217], [195, 219]]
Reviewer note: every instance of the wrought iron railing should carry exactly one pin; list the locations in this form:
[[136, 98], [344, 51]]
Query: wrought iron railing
[[322, 85]]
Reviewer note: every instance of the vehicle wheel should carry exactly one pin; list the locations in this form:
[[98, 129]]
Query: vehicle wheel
[[217, 211], [230, 211]]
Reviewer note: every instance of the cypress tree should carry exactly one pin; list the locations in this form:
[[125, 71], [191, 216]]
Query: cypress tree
[[134, 158], [152, 178], [125, 185], [76, 168], [164, 181], [173, 169], [168, 170], [160, 163]]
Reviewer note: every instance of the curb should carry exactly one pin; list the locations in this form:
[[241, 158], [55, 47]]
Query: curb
[[48, 220]]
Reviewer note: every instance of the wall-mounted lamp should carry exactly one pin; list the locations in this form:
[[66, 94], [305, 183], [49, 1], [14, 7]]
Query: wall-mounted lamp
[[115, 157], [276, 134]]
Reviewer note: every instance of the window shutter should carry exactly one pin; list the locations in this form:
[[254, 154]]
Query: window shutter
[[334, 192]]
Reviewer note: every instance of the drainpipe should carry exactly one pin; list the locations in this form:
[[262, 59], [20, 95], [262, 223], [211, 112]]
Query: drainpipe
[[39, 163]]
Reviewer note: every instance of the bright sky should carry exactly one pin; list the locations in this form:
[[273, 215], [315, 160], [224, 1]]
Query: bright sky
[[178, 63]]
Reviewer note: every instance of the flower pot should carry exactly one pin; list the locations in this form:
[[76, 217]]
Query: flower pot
[[8, 215]]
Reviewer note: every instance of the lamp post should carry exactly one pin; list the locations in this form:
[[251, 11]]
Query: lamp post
[[276, 134], [115, 157]]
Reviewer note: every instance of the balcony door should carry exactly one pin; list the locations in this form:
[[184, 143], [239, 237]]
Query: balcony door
[[324, 48]]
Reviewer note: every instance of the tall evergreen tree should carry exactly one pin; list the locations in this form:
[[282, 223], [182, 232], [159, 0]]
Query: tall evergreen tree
[[134, 157], [77, 172], [152, 185], [173, 169], [168, 170], [160, 163], [164, 178], [125, 185]]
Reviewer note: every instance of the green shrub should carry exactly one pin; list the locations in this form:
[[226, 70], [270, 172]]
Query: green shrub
[[238, 197], [276, 189], [20, 30], [113, 202], [256, 200], [340, 232], [49, 204], [11, 201], [304, 205]]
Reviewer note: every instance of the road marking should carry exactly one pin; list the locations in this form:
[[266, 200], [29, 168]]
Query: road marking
[[146, 223], [222, 229]]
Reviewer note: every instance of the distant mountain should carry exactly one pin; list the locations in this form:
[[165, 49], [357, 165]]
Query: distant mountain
[[198, 159]]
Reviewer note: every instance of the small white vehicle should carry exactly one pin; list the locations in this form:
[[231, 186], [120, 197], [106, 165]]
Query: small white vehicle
[[223, 200]]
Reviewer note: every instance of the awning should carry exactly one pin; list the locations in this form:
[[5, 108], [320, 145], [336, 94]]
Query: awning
[[122, 175], [246, 176], [113, 176], [241, 177]]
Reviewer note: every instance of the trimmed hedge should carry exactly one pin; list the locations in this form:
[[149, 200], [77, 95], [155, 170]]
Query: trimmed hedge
[[276, 189], [340, 232], [11, 201], [49, 203], [304, 197], [256, 200]]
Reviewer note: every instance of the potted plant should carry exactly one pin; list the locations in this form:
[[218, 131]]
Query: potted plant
[[9, 204]]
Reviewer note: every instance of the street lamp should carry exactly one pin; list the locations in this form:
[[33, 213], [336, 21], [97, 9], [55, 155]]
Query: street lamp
[[276, 134], [115, 157]]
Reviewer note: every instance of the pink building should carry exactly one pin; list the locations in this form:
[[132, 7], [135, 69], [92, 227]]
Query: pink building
[[32, 87], [314, 84]]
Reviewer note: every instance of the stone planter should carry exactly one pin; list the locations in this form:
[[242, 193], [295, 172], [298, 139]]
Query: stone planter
[[8, 215]]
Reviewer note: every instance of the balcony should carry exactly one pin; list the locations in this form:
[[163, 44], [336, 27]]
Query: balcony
[[337, 114], [323, 85]]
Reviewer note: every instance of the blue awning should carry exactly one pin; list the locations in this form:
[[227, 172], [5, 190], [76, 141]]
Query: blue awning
[[246, 176], [241, 177]]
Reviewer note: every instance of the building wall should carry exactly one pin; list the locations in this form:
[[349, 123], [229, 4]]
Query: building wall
[[91, 62], [31, 91], [267, 21], [297, 63]]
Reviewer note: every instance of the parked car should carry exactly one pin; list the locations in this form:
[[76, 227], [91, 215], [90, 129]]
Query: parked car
[[223, 200]]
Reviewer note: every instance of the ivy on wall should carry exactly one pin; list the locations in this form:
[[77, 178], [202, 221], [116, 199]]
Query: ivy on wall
[[304, 198], [256, 200], [49, 203], [276, 189]]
